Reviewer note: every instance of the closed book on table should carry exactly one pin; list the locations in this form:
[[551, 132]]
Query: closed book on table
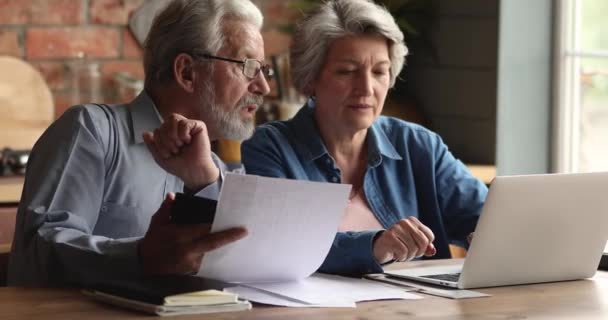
[[168, 295], [200, 298]]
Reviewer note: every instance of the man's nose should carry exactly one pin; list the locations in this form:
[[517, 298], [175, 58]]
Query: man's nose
[[259, 85]]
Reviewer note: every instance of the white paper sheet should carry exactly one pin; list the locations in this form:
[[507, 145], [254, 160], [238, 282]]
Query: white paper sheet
[[323, 289], [291, 227], [260, 296]]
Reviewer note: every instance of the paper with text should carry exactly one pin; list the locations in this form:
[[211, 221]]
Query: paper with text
[[291, 225]]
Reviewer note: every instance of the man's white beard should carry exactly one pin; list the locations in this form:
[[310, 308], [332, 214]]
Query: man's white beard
[[230, 123]]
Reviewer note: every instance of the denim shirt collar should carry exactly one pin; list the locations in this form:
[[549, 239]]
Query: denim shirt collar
[[144, 116], [311, 147]]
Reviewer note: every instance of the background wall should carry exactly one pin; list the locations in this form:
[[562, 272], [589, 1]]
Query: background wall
[[452, 86], [454, 79], [450, 81], [524, 84], [50, 34]]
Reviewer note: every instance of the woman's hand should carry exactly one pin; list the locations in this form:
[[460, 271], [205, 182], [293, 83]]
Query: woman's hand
[[405, 240]]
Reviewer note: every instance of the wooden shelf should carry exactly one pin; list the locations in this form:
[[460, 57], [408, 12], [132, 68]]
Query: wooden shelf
[[485, 173], [10, 189], [5, 248]]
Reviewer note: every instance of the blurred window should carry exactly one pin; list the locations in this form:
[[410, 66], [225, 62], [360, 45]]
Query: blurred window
[[581, 117]]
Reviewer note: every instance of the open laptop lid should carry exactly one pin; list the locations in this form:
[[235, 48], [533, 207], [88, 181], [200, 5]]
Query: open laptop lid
[[539, 228]]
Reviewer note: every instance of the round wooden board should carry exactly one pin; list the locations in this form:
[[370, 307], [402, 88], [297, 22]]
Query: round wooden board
[[26, 104]]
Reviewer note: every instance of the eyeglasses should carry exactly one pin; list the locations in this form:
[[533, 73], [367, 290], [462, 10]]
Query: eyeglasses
[[251, 67]]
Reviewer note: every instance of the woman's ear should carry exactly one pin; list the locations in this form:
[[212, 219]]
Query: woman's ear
[[183, 71]]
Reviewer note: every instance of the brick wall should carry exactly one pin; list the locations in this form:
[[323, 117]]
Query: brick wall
[[50, 34]]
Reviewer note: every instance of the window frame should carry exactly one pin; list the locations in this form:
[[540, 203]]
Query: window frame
[[566, 120], [567, 90]]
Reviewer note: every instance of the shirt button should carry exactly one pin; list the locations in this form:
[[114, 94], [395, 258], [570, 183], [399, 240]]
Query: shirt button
[[334, 179], [104, 209], [328, 161]]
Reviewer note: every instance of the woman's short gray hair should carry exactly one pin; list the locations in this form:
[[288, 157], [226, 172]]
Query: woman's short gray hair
[[335, 19], [190, 26]]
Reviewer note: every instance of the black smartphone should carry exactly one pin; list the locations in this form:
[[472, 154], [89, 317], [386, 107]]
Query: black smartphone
[[187, 209]]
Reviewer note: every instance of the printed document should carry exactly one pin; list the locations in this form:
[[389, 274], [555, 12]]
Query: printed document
[[291, 226]]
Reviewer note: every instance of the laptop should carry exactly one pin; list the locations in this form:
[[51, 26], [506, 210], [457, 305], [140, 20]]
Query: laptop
[[532, 229]]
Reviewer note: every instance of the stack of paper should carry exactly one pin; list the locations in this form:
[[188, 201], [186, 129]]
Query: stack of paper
[[320, 290], [291, 226]]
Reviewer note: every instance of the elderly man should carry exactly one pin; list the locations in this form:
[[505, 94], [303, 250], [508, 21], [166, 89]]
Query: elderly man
[[98, 174]]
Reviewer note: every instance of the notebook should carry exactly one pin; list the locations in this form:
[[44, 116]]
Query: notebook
[[532, 229], [169, 295], [168, 309]]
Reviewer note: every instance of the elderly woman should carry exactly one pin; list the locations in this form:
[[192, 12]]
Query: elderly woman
[[410, 197]]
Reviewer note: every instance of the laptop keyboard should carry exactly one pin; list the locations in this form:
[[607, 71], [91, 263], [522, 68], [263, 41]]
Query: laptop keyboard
[[446, 277]]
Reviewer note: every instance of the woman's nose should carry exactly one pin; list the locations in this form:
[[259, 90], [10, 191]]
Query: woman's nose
[[363, 85]]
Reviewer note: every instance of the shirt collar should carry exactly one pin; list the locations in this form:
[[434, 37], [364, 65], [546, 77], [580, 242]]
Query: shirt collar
[[380, 145], [144, 116], [313, 148]]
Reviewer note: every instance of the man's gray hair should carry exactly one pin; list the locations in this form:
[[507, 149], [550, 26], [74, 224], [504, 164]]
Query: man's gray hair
[[336, 19], [190, 26]]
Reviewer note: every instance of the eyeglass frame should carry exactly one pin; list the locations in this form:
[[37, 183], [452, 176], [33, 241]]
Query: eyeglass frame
[[267, 71]]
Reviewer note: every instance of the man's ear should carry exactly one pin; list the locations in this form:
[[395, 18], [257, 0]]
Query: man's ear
[[183, 71]]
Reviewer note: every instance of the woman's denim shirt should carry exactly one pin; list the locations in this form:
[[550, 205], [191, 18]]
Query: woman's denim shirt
[[410, 172]]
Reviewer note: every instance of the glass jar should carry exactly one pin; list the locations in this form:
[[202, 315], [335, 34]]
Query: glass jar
[[127, 86], [86, 81]]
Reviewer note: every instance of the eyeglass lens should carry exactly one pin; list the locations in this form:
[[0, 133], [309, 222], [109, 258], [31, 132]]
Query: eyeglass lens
[[252, 67]]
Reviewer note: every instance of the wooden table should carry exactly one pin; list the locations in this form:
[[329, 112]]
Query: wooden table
[[584, 299]]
